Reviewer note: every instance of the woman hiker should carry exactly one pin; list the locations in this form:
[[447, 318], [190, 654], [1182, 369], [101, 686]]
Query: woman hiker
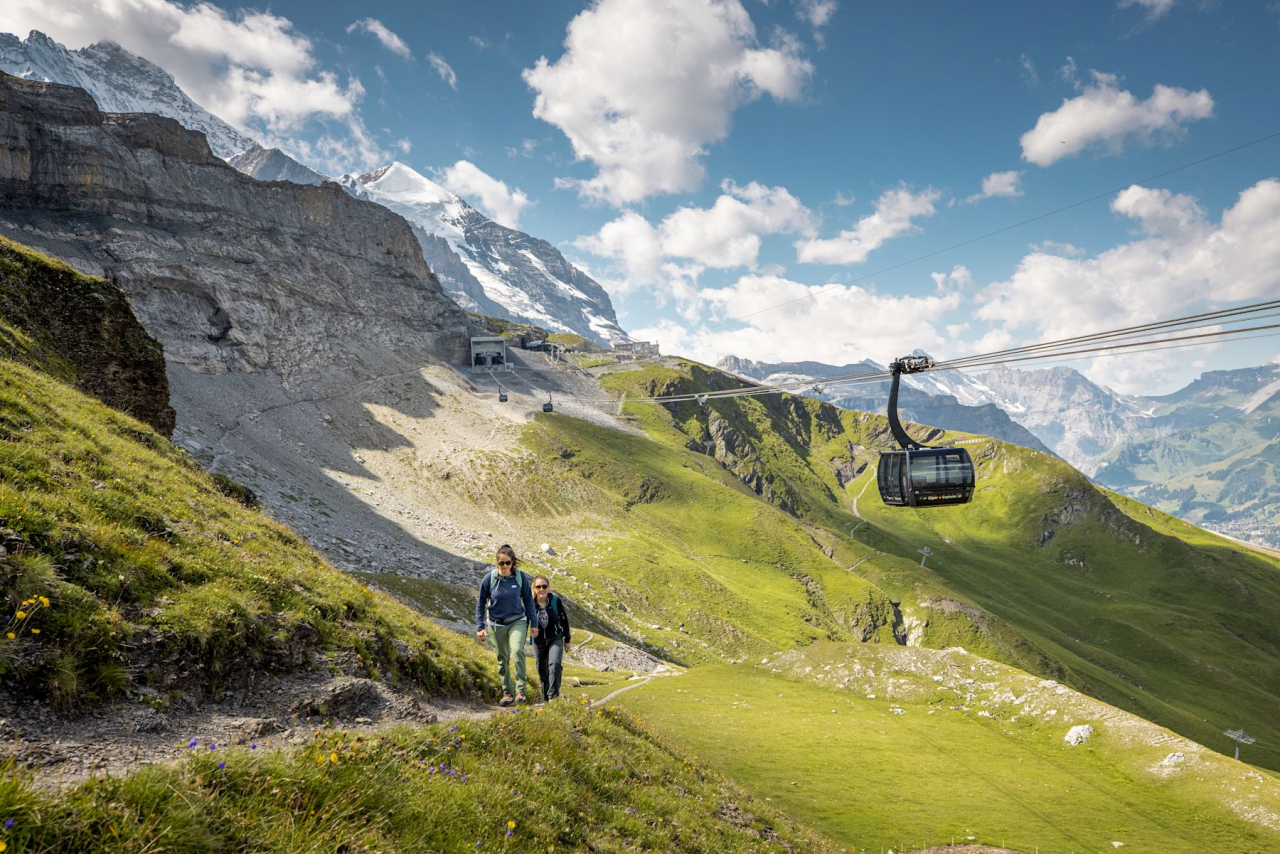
[[505, 592], [552, 640]]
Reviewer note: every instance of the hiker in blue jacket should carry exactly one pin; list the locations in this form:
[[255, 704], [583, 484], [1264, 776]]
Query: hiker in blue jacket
[[552, 641], [505, 592]]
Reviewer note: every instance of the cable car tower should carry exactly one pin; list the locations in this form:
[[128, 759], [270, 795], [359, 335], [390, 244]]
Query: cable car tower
[[917, 475]]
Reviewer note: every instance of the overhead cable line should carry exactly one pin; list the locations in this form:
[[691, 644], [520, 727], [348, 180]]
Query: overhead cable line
[[980, 237], [1102, 342]]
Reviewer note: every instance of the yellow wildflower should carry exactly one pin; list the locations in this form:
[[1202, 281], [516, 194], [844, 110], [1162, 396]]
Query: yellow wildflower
[[21, 615], [35, 631], [11, 636], [333, 757], [511, 825]]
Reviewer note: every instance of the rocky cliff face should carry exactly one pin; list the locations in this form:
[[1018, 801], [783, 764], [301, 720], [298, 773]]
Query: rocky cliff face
[[231, 274]]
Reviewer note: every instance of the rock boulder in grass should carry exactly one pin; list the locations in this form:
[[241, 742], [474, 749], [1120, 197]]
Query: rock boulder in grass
[[1078, 734]]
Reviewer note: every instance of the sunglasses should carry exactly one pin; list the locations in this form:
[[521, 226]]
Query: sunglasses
[[540, 587], [504, 563]]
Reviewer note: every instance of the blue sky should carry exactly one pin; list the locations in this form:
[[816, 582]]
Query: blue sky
[[705, 159]]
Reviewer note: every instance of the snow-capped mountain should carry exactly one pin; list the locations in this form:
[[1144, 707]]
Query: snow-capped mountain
[[272, 164], [120, 82], [488, 267]]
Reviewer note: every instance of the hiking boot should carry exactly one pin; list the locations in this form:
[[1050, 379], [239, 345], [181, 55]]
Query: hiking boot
[[521, 698], [506, 700]]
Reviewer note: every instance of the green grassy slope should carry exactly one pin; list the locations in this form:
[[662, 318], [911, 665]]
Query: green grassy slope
[[883, 747], [1068, 585], [567, 779], [150, 572]]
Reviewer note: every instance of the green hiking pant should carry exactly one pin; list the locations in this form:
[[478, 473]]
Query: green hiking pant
[[509, 641]]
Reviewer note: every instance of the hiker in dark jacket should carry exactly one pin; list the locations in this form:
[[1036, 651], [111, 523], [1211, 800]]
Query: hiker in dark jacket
[[505, 592], [552, 640]]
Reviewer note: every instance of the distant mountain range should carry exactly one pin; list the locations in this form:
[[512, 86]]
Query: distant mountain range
[[919, 399], [120, 82], [488, 267], [1209, 453], [484, 266]]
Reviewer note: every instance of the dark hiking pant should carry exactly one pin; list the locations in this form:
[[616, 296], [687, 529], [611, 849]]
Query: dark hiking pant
[[550, 665]]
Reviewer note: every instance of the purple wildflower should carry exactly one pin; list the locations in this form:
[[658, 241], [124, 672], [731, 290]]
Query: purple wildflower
[[192, 743], [8, 824], [213, 746], [253, 745], [222, 765]]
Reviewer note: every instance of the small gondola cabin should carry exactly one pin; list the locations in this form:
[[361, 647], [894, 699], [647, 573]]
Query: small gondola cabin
[[925, 477]]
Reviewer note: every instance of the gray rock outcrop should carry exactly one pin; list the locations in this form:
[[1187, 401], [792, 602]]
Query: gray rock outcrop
[[229, 273]]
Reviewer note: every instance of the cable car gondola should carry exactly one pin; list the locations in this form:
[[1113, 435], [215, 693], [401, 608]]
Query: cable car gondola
[[502, 394], [917, 475], [547, 407]]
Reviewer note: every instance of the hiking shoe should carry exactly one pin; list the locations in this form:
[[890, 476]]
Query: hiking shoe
[[506, 700], [521, 698]]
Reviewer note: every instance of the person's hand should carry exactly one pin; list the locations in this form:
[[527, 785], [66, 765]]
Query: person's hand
[[533, 633], [567, 645], [481, 635]]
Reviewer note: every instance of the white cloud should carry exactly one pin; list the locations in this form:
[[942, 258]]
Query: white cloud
[[644, 86], [1067, 73], [958, 279], [728, 233], [632, 241], [494, 197], [1154, 8], [1180, 260], [814, 324], [1003, 184], [1104, 116], [379, 30], [250, 68], [844, 200], [1029, 74], [444, 69], [894, 214], [816, 12], [725, 235]]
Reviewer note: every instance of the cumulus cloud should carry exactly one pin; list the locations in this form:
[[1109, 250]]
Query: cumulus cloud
[[728, 234], [1105, 116], [894, 216], [644, 86], [1004, 184], [817, 13], [444, 69], [1179, 260], [491, 195], [818, 322], [250, 68], [1154, 8], [379, 30]]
